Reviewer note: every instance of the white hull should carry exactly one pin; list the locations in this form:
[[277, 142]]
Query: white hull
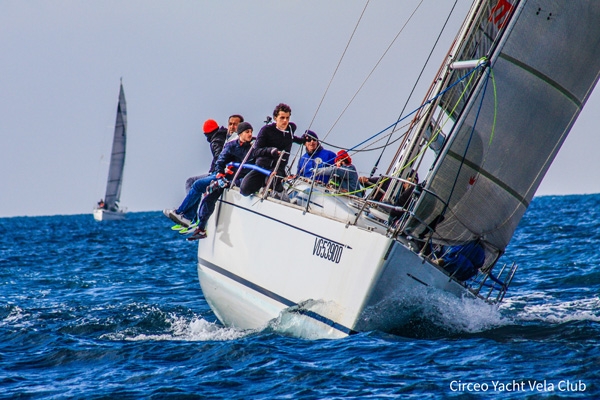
[[106, 215], [261, 258]]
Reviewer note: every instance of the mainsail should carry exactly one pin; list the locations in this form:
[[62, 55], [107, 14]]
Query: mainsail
[[509, 118], [117, 158]]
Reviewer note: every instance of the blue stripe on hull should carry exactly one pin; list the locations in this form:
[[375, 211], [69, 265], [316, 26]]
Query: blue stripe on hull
[[278, 298]]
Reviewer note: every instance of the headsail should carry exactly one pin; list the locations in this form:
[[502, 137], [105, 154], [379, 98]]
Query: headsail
[[544, 61], [117, 158]]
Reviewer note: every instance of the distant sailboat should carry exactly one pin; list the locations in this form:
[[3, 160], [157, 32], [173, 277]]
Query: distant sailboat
[[109, 209]]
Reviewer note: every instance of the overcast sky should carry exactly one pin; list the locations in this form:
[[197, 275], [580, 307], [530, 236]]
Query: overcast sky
[[183, 62]]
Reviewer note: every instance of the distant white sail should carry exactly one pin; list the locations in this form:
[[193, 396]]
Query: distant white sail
[[117, 158]]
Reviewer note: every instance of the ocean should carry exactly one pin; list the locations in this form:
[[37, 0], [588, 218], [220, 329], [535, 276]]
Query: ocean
[[114, 310]]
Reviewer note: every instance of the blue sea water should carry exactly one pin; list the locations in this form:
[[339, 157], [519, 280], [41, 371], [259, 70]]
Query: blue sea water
[[114, 310]]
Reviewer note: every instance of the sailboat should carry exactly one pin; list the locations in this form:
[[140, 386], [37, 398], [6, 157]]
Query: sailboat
[[507, 94], [109, 208]]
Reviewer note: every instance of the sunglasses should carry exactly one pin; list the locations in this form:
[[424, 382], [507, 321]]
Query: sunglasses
[[309, 139]]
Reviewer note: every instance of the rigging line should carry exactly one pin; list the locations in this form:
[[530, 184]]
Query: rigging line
[[374, 68], [410, 162], [332, 78], [451, 112], [415, 85], [338, 65], [366, 148], [468, 143], [469, 74], [493, 130], [422, 151], [433, 137], [490, 75]]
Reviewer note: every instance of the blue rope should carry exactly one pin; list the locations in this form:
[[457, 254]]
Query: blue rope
[[250, 166], [418, 108]]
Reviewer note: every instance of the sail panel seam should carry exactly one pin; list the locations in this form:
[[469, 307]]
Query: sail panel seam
[[543, 77], [490, 177]]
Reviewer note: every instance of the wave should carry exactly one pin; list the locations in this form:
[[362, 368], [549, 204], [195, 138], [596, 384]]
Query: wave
[[14, 316], [435, 315], [142, 322], [543, 307], [183, 329]]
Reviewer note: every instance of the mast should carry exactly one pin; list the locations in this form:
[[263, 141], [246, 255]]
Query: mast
[[408, 153], [117, 158]]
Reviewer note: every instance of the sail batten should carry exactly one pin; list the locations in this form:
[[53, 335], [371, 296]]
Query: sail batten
[[543, 77], [488, 175]]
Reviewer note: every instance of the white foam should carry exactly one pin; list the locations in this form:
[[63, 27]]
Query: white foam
[[183, 329], [290, 322], [199, 329], [17, 317], [449, 312], [539, 306], [462, 314]]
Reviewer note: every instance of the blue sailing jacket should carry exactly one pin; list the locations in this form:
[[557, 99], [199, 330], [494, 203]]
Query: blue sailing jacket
[[309, 162]]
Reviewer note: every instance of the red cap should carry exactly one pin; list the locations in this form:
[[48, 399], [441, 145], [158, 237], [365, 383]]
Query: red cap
[[210, 125], [343, 155]]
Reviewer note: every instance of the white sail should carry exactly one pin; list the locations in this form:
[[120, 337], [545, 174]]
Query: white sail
[[544, 60], [117, 157], [110, 209]]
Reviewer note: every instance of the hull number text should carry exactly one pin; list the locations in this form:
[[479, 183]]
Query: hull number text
[[328, 250]]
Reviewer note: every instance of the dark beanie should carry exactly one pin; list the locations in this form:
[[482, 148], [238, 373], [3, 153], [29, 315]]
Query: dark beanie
[[243, 126], [311, 134]]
